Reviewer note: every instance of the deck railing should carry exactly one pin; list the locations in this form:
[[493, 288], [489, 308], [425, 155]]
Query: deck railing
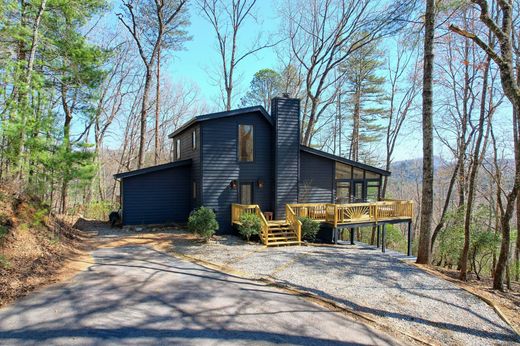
[[238, 209], [292, 219], [315, 211], [337, 214]]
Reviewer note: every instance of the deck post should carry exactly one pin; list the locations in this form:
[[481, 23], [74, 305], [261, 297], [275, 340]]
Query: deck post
[[383, 236], [351, 236], [409, 249], [335, 235], [377, 235]]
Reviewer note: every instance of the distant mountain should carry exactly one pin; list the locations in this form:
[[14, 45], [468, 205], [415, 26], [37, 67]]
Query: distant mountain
[[411, 170]]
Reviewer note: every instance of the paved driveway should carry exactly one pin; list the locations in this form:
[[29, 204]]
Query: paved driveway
[[135, 295]]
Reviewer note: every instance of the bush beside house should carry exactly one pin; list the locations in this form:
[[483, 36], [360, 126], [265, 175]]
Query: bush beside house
[[249, 225], [203, 222], [310, 228]]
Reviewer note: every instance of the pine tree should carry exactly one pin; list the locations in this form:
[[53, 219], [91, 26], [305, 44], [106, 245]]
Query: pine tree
[[265, 85], [364, 97]]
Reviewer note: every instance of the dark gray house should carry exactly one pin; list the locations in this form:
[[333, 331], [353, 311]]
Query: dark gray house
[[248, 157]]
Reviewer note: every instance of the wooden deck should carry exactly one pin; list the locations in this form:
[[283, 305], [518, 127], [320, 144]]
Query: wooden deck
[[288, 231], [338, 215]]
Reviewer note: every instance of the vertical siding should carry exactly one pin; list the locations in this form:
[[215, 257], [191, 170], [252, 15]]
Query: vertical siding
[[286, 113], [316, 179], [187, 152], [157, 197], [220, 164]]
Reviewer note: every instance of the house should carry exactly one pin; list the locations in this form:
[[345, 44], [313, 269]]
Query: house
[[247, 160]]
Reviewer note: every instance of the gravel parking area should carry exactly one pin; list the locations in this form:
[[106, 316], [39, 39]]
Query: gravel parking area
[[361, 278]]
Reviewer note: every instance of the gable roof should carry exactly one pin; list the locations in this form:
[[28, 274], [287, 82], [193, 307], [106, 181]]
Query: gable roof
[[152, 169], [344, 160], [224, 114]]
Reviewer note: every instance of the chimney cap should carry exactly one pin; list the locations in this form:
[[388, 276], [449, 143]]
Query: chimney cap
[[285, 95]]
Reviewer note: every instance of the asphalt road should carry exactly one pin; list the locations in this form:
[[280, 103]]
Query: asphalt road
[[137, 296]]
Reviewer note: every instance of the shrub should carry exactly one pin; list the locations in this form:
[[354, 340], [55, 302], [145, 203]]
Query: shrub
[[4, 263], [310, 228], [3, 231], [202, 222], [249, 225]]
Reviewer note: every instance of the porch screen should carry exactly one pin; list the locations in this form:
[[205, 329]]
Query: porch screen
[[373, 191], [343, 192]]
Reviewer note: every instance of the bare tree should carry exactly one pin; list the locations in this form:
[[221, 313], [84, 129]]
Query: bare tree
[[323, 34], [149, 34], [228, 19], [504, 60], [401, 102]]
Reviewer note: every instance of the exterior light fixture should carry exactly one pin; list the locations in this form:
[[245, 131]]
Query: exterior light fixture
[[260, 183], [233, 184]]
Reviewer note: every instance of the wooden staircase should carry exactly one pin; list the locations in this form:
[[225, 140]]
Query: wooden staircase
[[280, 233], [273, 233]]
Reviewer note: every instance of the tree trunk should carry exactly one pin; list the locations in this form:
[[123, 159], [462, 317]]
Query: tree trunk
[[424, 251], [157, 105], [516, 141], [445, 208], [67, 146], [473, 176], [356, 116], [498, 280], [144, 111]]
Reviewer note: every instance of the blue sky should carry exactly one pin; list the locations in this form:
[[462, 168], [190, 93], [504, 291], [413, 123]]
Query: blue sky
[[197, 62]]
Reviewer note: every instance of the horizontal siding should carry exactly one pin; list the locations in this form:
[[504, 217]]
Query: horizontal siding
[[316, 179], [187, 152], [158, 197], [220, 164], [287, 150]]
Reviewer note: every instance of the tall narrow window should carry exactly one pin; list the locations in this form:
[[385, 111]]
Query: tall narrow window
[[245, 143], [194, 140], [177, 149], [194, 192]]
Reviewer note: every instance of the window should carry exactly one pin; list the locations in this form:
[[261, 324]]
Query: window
[[245, 143], [343, 171], [194, 192], [194, 140], [372, 175], [177, 149], [357, 173]]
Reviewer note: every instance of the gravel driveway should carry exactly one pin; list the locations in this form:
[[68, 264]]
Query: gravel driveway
[[363, 279], [135, 295]]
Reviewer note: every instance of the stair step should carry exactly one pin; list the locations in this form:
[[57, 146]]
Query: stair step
[[279, 243], [280, 234], [282, 238]]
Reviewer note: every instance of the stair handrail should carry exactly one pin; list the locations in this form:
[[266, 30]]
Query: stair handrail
[[292, 220], [238, 209], [263, 223]]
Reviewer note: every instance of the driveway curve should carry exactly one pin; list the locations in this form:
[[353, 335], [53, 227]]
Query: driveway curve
[[135, 296]]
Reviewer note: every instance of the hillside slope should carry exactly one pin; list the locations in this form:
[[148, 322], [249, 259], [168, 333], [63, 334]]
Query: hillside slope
[[34, 245]]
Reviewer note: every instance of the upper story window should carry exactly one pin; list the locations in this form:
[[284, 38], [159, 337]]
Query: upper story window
[[194, 140], [177, 149], [245, 143]]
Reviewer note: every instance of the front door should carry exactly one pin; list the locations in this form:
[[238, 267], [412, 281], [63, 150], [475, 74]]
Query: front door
[[246, 193]]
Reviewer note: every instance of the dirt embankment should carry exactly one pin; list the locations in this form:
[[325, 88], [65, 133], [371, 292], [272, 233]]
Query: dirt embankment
[[36, 248]]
